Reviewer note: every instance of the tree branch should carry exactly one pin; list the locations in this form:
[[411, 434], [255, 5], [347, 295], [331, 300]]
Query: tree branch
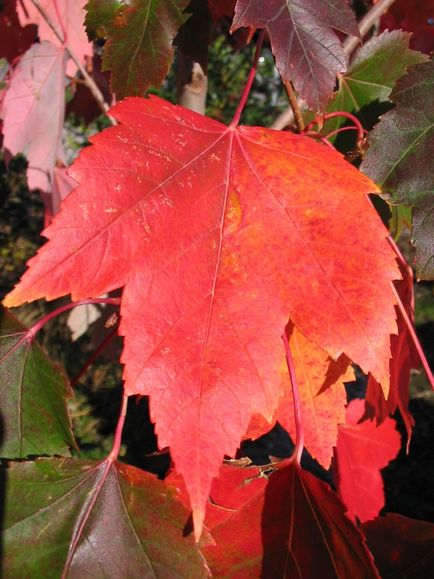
[[365, 24], [295, 106], [88, 80]]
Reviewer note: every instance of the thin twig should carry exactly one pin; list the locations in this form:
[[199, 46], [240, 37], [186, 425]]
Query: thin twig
[[249, 81], [90, 83], [114, 453], [93, 357], [294, 104], [366, 23]]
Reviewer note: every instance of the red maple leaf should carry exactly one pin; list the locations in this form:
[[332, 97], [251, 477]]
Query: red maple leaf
[[362, 450], [218, 235]]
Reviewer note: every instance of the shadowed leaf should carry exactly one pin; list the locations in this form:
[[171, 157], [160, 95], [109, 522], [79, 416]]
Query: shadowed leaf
[[32, 396], [403, 548], [400, 157], [89, 519], [362, 450]]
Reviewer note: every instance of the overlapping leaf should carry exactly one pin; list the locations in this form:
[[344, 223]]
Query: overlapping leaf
[[320, 382], [33, 112], [292, 526], [404, 358], [362, 450], [219, 235], [307, 50], [139, 34], [82, 518], [68, 20], [373, 74], [400, 157], [32, 396]]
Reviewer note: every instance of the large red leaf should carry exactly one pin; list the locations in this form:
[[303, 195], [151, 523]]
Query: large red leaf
[[33, 112], [306, 49], [68, 19], [362, 450], [320, 382], [291, 526], [219, 235]]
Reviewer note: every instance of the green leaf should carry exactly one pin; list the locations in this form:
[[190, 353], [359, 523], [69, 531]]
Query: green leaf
[[94, 519], [100, 16], [373, 74], [139, 34], [400, 157], [423, 230], [32, 396]]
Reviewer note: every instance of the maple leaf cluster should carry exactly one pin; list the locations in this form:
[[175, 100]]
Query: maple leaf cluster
[[228, 243]]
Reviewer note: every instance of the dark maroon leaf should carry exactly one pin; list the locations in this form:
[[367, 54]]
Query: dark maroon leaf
[[32, 396], [403, 548], [307, 50], [94, 519]]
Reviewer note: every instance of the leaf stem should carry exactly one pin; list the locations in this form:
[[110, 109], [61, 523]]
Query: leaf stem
[[293, 101], [40, 323], [357, 124], [249, 81], [93, 357], [90, 83], [114, 453], [299, 426], [414, 337]]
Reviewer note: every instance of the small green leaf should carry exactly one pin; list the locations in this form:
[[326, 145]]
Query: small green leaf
[[139, 34], [373, 74], [100, 16], [32, 396], [74, 518], [400, 158]]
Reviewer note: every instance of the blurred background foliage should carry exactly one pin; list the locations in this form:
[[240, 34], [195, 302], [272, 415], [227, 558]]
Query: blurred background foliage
[[95, 406]]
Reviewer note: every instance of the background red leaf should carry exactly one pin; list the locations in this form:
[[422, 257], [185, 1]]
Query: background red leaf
[[404, 358], [14, 38], [362, 450]]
